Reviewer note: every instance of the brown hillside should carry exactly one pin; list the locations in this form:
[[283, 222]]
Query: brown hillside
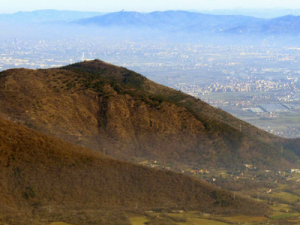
[[40, 174], [102, 106]]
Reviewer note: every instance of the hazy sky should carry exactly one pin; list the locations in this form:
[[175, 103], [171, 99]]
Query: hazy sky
[[10, 6]]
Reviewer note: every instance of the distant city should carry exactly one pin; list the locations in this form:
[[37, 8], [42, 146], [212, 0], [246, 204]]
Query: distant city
[[258, 84]]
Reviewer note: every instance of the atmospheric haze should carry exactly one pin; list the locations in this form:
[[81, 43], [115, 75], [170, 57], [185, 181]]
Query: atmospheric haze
[[11, 6]]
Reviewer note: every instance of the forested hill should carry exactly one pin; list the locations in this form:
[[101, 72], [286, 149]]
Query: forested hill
[[117, 111], [44, 179]]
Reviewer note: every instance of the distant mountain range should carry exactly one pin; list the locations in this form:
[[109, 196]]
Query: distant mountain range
[[193, 23], [259, 13], [167, 22], [287, 25], [44, 16]]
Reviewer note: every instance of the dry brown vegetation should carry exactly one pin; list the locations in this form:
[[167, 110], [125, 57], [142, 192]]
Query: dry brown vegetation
[[46, 179], [102, 106]]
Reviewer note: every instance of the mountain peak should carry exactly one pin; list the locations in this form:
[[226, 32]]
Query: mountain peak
[[97, 72], [100, 105]]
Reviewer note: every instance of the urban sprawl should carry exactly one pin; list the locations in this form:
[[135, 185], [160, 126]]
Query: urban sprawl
[[259, 84]]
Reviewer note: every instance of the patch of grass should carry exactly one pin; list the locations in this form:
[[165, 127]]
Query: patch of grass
[[287, 197], [285, 215], [279, 207], [192, 221], [138, 220], [59, 223], [243, 219], [144, 162]]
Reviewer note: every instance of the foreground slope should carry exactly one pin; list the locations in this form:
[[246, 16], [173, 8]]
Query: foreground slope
[[112, 109], [41, 175]]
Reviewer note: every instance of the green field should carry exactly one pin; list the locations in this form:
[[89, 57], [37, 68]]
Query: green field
[[287, 197], [190, 221], [297, 192], [59, 223], [285, 215], [278, 214], [245, 219], [138, 220], [196, 221], [195, 218]]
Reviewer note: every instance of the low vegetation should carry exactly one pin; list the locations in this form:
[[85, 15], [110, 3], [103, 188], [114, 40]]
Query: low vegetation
[[46, 179]]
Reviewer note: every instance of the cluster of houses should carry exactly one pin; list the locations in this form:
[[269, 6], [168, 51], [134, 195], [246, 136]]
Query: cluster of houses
[[151, 163], [237, 175], [268, 191], [197, 171], [177, 211], [251, 167], [294, 171]]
